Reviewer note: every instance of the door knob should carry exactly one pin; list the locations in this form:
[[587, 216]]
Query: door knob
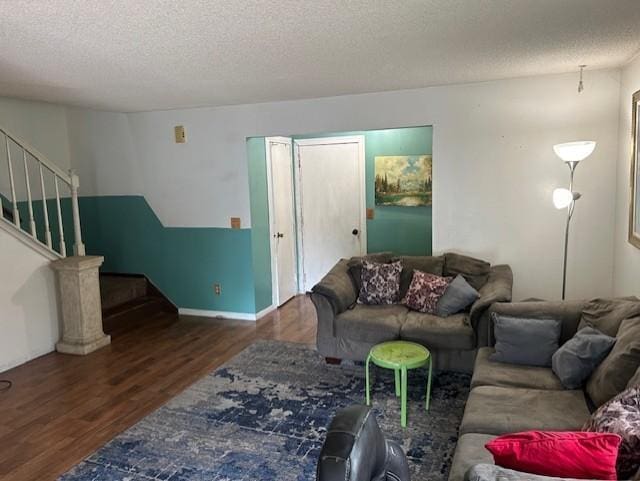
[[280, 235], [355, 231]]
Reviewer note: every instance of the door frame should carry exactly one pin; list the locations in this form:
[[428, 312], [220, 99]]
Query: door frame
[[298, 194], [273, 247]]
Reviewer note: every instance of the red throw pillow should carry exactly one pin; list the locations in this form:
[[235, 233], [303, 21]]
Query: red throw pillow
[[577, 455]]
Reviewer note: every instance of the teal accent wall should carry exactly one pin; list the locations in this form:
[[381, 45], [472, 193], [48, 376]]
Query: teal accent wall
[[260, 242], [403, 230], [183, 262]]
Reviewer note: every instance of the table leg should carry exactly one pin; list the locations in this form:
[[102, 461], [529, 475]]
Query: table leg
[[428, 385], [367, 379], [403, 409], [397, 373]]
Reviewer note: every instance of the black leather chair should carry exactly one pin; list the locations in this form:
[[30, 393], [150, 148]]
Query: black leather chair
[[356, 450]]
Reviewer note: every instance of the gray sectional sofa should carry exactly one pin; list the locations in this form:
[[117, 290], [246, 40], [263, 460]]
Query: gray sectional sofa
[[347, 330], [508, 398]]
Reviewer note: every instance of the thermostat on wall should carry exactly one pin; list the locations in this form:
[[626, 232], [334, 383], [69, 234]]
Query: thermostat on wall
[[179, 132]]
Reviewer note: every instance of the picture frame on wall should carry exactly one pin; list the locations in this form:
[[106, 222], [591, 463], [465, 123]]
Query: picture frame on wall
[[634, 204]]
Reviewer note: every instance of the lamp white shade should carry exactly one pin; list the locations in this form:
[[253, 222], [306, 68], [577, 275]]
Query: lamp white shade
[[574, 151], [562, 198]]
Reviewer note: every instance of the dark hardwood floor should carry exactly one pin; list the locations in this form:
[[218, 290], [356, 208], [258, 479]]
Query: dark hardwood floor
[[61, 408]]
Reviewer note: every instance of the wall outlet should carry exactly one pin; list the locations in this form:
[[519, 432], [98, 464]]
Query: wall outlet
[[235, 222], [217, 289]]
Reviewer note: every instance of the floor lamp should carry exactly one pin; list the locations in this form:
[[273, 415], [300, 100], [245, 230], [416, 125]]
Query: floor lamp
[[572, 153]]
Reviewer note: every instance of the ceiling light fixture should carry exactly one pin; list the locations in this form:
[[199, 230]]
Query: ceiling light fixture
[[580, 83]]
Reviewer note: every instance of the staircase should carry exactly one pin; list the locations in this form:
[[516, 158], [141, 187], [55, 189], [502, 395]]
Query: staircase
[[129, 301], [38, 198]]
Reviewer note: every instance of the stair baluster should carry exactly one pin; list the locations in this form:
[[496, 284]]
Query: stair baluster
[[32, 223], [45, 166]]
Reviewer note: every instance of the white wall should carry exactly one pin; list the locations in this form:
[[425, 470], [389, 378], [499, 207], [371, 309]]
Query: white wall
[[627, 257], [42, 125], [29, 325], [28, 299], [494, 168]]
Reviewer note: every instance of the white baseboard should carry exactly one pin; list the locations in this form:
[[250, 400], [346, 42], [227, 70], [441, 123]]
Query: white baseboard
[[242, 316]]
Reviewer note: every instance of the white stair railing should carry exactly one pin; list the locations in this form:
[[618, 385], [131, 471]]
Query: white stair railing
[[46, 168]]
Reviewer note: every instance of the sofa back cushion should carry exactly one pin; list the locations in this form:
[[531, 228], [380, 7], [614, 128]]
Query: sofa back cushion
[[429, 264], [355, 266], [613, 374], [605, 315], [475, 271]]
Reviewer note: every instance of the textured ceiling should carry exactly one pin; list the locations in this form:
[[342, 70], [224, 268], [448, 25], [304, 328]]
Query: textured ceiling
[[144, 55]]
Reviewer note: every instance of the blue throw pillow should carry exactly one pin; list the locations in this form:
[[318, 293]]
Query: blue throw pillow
[[531, 342], [458, 296], [574, 362]]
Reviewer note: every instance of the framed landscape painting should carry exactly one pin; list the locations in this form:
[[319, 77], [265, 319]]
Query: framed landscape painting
[[403, 180], [634, 206]]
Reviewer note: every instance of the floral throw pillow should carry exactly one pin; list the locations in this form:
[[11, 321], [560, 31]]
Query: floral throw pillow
[[380, 283], [424, 291], [621, 415]]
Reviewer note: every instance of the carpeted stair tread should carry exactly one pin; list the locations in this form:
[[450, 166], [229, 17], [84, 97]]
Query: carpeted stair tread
[[116, 290]]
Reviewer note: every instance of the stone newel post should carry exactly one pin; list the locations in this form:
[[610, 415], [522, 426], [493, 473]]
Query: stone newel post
[[79, 288]]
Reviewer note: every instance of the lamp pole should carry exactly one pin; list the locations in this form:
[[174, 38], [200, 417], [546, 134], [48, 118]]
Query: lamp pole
[[572, 153], [572, 168]]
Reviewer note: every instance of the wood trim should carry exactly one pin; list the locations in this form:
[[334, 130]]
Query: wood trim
[[634, 237]]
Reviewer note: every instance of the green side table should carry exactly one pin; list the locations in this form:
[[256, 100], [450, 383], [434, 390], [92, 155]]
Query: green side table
[[400, 356]]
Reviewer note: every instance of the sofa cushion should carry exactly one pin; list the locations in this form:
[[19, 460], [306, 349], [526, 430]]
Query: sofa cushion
[[499, 410], [470, 451], [531, 342], [605, 315], [354, 266], [621, 416], [425, 291], [491, 373], [613, 374], [574, 362], [371, 323], [491, 472], [458, 296], [558, 453], [453, 332], [380, 283], [635, 380], [430, 264], [475, 271]]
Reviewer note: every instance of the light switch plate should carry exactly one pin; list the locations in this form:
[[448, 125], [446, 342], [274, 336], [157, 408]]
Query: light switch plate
[[371, 213], [235, 222], [181, 136]]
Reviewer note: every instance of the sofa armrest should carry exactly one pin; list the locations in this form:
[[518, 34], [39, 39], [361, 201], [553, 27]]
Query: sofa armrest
[[567, 312], [337, 287], [497, 289]]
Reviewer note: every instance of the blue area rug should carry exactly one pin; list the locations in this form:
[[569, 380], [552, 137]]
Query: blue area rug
[[263, 416]]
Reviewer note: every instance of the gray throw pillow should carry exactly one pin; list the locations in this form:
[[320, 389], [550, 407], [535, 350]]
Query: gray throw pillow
[[458, 296], [531, 342], [574, 362]]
